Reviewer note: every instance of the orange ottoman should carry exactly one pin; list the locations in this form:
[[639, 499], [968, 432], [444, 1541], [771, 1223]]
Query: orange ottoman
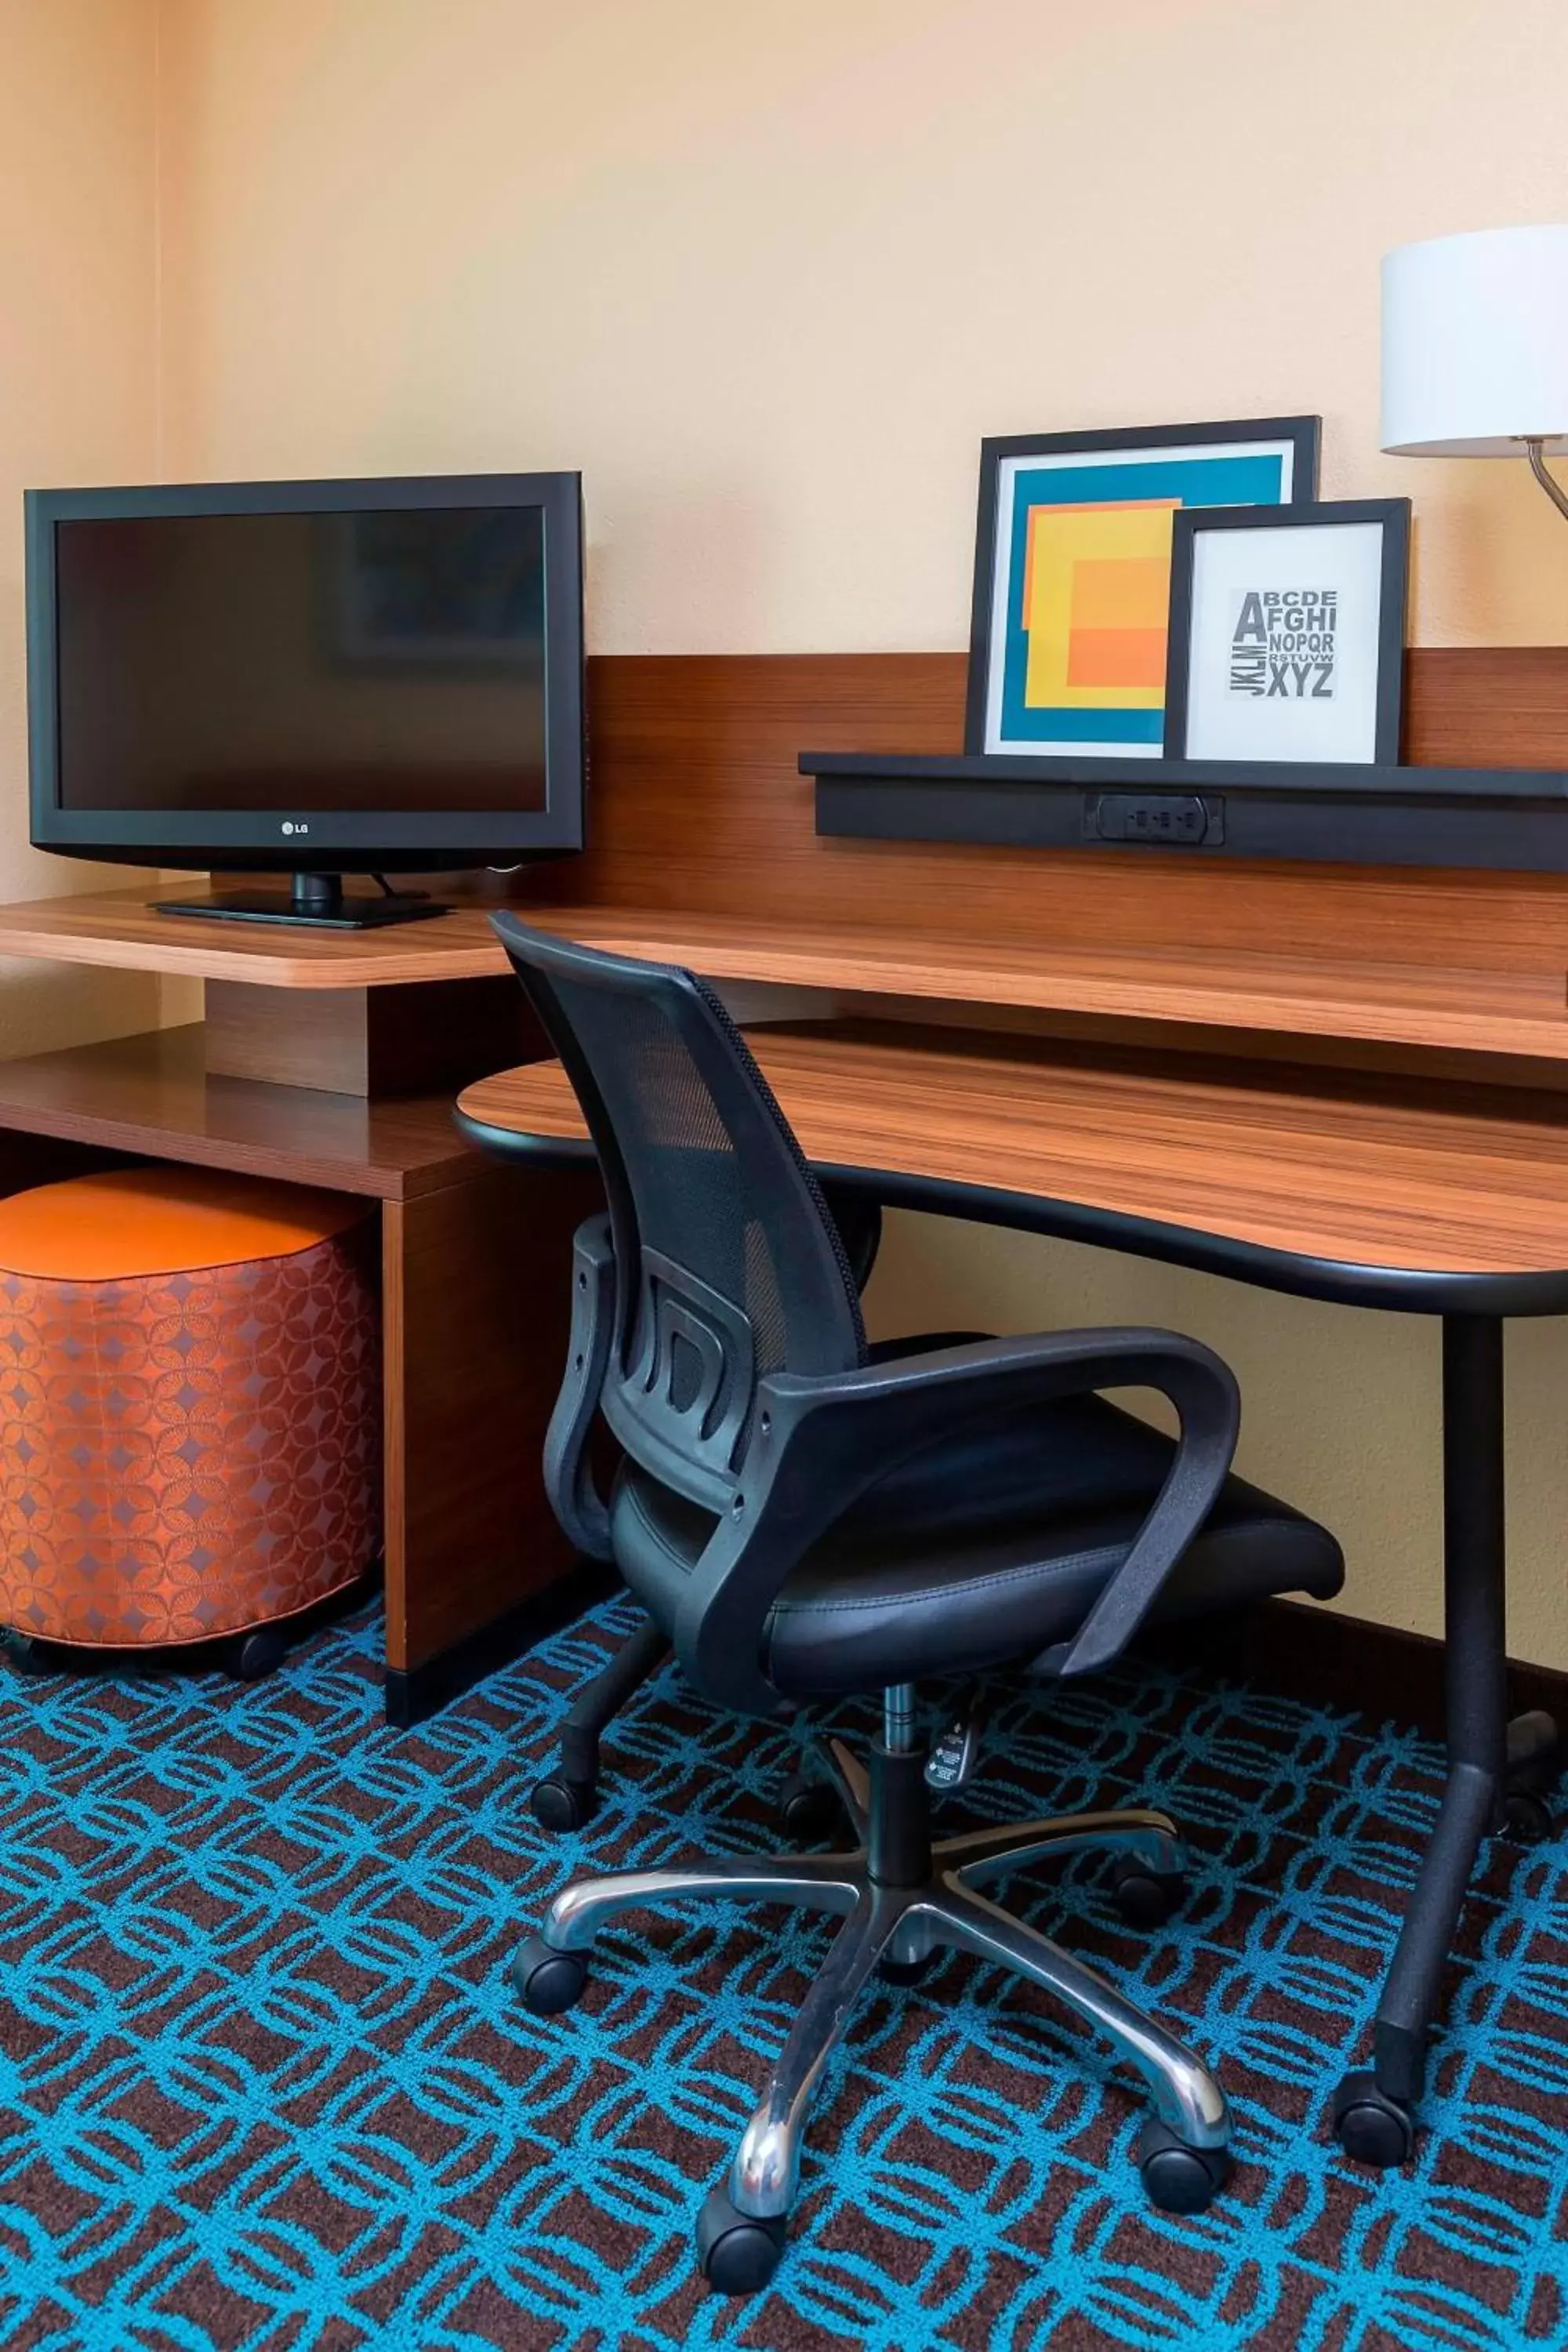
[[190, 1406]]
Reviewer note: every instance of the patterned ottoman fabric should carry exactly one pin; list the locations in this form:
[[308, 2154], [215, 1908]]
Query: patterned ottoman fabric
[[190, 1404]]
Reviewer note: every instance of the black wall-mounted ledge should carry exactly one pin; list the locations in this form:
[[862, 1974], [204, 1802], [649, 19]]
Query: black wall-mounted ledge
[[1509, 818]]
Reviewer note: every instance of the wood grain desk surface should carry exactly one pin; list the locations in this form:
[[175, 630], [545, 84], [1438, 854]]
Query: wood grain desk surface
[[118, 929], [1392, 1174], [151, 1093], [1488, 1012]]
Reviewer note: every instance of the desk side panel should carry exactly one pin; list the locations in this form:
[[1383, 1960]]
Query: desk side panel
[[476, 1304]]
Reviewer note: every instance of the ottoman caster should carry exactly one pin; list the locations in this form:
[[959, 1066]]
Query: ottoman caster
[[256, 1655], [22, 1653]]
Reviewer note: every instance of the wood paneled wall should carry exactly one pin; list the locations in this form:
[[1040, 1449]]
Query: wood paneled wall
[[697, 804]]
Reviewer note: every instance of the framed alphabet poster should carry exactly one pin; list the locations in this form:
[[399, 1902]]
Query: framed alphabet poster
[[1287, 637]]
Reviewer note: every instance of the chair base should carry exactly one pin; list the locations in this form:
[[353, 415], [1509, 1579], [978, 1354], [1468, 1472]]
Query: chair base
[[901, 1897]]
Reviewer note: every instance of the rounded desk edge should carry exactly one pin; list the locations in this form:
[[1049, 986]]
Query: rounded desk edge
[[1408, 1290]]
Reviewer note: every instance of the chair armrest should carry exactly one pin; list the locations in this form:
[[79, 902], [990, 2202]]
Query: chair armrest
[[818, 1443], [568, 1474]]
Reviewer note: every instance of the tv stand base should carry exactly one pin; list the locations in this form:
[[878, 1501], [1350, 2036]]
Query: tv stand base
[[318, 899]]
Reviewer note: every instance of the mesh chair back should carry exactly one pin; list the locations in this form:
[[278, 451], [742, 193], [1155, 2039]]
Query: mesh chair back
[[728, 1265]]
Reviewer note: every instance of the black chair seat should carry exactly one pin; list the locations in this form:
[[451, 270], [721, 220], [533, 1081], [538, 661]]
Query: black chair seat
[[982, 1550]]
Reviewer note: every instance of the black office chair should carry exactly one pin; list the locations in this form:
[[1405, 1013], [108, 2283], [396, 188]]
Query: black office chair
[[803, 1522]]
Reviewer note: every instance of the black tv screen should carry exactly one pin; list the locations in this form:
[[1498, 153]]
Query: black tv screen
[[357, 666], [375, 661]]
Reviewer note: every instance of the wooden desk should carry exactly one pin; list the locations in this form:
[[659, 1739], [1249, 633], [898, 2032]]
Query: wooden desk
[[1387, 1193], [703, 850]]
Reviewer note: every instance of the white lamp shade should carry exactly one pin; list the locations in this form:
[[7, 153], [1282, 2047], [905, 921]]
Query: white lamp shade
[[1474, 344]]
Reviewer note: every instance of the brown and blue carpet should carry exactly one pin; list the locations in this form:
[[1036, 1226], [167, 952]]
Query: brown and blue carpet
[[264, 2083]]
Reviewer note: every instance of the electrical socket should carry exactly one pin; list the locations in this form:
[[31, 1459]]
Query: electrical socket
[[1164, 820]]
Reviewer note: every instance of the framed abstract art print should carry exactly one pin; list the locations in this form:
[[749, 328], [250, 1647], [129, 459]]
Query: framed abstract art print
[[1072, 572]]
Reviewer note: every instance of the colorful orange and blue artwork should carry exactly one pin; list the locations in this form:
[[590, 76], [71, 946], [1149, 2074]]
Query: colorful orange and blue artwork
[[1075, 650]]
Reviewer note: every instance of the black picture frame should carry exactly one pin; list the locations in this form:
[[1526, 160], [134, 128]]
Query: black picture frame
[[1393, 515], [1304, 432]]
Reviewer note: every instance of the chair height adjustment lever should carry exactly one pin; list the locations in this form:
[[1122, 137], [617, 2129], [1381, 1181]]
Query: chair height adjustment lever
[[953, 1759]]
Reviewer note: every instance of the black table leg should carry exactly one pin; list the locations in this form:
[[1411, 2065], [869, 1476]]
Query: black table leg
[[1373, 2112]]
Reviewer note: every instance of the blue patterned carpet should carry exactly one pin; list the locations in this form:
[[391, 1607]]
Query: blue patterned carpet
[[263, 2083]]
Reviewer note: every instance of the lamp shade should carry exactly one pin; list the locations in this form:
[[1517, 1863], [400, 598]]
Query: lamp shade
[[1474, 344]]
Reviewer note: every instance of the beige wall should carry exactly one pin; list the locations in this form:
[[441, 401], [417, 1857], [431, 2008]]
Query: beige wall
[[767, 274], [78, 393]]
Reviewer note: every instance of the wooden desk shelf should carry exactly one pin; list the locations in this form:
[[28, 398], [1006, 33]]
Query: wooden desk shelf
[[152, 1095]]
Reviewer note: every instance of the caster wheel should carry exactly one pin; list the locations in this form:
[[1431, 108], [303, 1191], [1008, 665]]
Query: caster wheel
[[1527, 1817], [548, 1980], [22, 1653], [258, 1655], [809, 1812], [1145, 1897], [738, 2255], [1371, 2129], [908, 1972], [1178, 2178], [559, 1805]]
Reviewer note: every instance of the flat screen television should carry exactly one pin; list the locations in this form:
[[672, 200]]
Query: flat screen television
[[308, 678]]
